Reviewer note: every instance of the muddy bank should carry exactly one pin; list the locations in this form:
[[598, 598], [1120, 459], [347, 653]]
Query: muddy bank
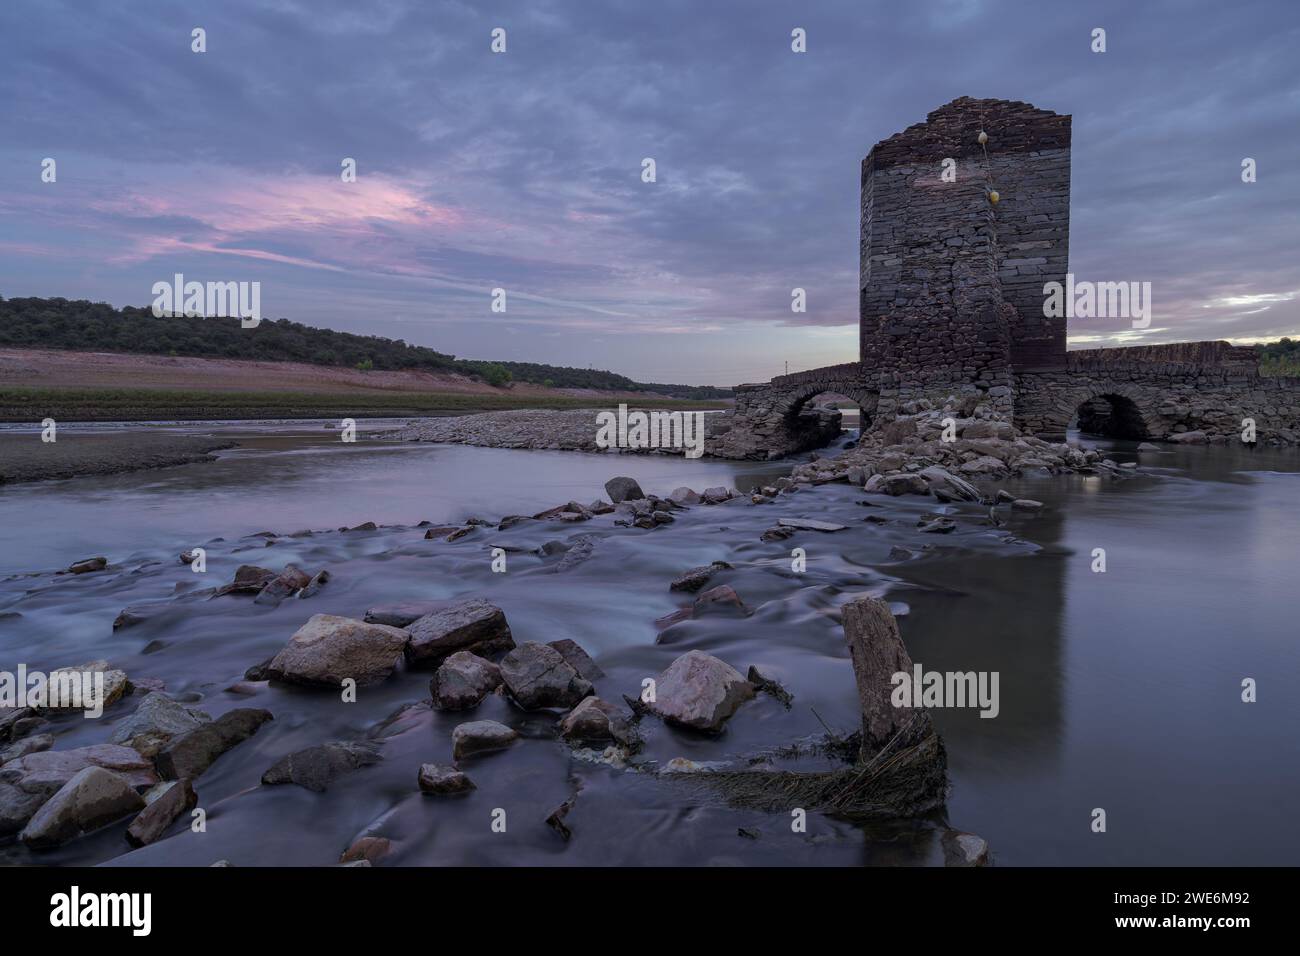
[[24, 457]]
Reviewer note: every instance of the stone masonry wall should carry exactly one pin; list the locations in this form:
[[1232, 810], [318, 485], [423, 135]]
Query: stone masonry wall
[[928, 246]]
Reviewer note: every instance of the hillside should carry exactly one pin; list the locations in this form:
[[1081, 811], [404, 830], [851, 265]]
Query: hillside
[[79, 325]]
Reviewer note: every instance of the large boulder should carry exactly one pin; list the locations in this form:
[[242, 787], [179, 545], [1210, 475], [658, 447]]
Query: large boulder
[[623, 489], [27, 782], [537, 676], [164, 804], [328, 650], [316, 767], [699, 691], [475, 625], [462, 681], [155, 722], [93, 798], [193, 752]]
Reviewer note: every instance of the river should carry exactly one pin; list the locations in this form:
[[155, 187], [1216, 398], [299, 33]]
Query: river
[[1120, 689]]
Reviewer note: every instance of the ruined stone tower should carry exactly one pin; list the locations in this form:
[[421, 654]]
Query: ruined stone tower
[[950, 282], [951, 308]]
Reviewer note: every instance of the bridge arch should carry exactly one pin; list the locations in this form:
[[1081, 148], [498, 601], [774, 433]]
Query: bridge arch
[[796, 398], [1112, 410]]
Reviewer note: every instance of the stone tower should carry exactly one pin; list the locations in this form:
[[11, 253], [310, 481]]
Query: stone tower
[[951, 283]]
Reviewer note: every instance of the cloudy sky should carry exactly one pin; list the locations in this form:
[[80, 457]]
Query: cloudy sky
[[522, 170]]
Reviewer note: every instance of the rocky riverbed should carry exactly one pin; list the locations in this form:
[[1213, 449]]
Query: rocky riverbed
[[725, 725]]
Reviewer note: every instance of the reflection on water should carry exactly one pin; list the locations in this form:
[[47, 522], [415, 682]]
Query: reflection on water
[[1119, 690]]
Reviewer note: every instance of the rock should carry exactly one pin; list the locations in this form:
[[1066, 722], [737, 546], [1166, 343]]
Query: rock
[[1026, 504], [716, 495], [328, 650], [10, 716], [27, 726], [366, 849], [28, 781], [899, 554], [475, 625], [249, 579], [904, 484], [594, 719], [578, 659], [28, 745], [139, 613], [190, 754], [718, 598], [364, 526], [578, 552], [538, 676], [1005, 497], [808, 524], [188, 557], [696, 578], [1147, 446], [462, 681], [480, 736], [441, 781], [673, 617], [601, 507], [289, 580], [964, 849], [509, 521], [114, 688], [983, 465], [768, 686], [164, 805], [315, 584], [316, 767], [93, 798], [684, 496], [155, 722], [699, 691], [777, 534], [402, 615], [86, 565], [936, 525], [555, 819], [1195, 437], [623, 489], [448, 532], [941, 479]]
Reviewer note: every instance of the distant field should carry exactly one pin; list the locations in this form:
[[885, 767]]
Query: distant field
[[100, 386], [154, 404]]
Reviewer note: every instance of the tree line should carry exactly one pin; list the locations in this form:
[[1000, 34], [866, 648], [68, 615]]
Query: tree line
[[77, 324]]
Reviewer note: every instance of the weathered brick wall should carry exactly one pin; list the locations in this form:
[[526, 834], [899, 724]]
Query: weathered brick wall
[[939, 262]]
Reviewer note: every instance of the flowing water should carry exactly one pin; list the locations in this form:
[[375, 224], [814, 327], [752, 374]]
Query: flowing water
[[1118, 690]]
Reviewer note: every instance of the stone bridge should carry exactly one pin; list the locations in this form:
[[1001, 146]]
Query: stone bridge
[[958, 241]]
